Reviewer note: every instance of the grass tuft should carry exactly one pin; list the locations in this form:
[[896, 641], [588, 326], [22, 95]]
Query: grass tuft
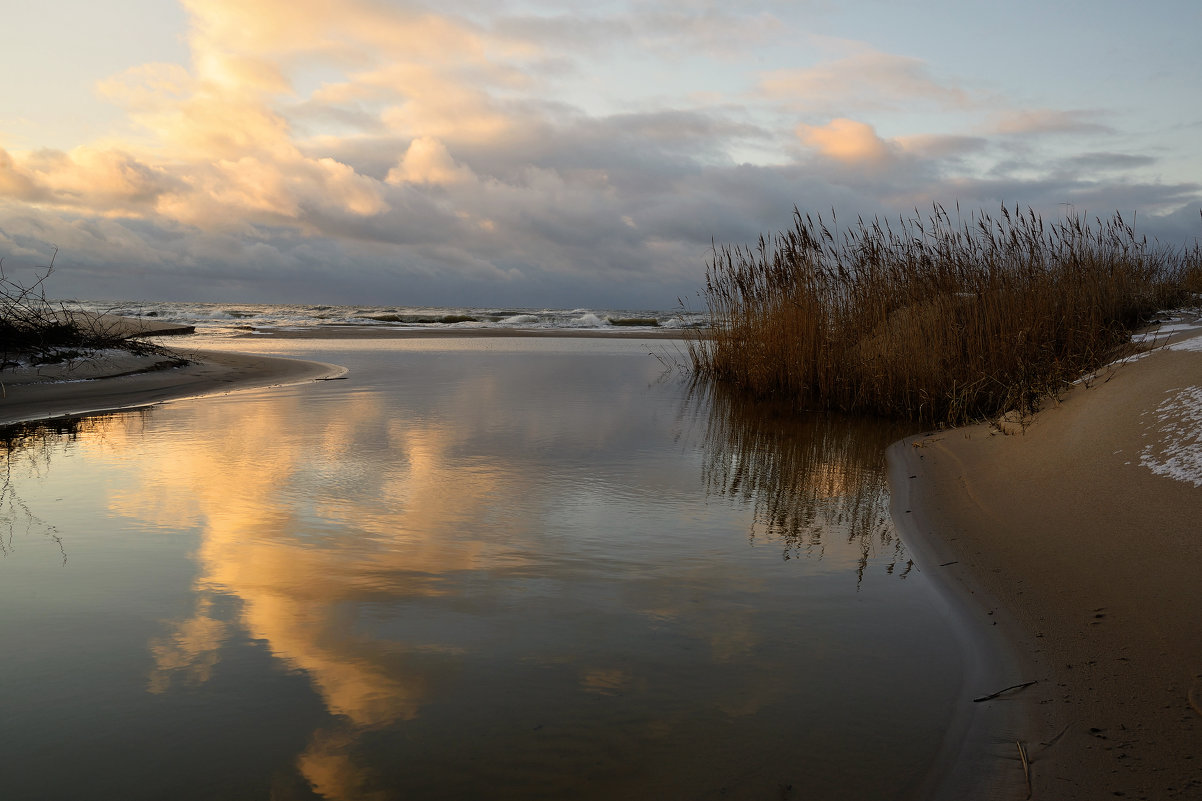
[[934, 320]]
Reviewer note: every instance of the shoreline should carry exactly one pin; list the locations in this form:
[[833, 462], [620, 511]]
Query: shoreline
[[978, 758], [1077, 567], [379, 332], [108, 384], [110, 381]]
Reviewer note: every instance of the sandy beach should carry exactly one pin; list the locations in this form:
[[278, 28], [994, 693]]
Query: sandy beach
[[1081, 565], [113, 379], [106, 380]]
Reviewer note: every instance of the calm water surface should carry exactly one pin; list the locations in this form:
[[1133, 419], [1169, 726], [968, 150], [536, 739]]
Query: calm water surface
[[505, 569]]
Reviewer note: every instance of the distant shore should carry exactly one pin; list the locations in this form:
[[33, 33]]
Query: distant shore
[[378, 332], [1082, 569], [110, 380]]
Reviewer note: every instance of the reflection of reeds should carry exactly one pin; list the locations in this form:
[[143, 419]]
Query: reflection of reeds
[[26, 450], [936, 320], [807, 476]]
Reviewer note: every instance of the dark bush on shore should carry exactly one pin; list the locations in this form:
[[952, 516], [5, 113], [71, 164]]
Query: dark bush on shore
[[933, 320], [37, 330]]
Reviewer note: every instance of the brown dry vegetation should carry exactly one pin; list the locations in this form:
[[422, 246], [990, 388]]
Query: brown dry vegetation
[[935, 320], [37, 330]]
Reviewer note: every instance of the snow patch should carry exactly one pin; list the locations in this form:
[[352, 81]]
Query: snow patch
[[1193, 343], [1175, 449]]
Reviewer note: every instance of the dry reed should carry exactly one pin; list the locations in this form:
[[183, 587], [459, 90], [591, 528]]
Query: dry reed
[[934, 320]]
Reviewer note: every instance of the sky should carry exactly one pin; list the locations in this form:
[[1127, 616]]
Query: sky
[[563, 154]]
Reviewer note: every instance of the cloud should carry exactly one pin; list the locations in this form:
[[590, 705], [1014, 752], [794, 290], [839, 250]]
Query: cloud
[[1107, 161], [103, 181], [1049, 121], [720, 33], [942, 146], [15, 181], [252, 190], [867, 79], [428, 162], [847, 141]]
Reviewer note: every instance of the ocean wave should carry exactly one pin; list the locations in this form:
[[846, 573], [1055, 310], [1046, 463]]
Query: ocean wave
[[216, 318]]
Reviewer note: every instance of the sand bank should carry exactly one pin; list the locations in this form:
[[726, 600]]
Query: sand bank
[[113, 379], [109, 380], [113, 325], [381, 332], [1074, 549]]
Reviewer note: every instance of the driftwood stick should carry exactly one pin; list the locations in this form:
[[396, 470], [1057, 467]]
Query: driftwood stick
[[1004, 690], [1055, 739], [1022, 755]]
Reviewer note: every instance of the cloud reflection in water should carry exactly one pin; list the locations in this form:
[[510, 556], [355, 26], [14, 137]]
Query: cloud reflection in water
[[512, 563]]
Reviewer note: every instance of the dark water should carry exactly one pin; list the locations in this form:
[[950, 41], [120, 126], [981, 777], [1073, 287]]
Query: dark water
[[475, 569]]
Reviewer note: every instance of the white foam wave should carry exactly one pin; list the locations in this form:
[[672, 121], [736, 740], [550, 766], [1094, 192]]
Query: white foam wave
[[520, 319], [234, 318], [587, 320]]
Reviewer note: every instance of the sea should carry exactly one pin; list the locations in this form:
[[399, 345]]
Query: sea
[[471, 567], [217, 319]]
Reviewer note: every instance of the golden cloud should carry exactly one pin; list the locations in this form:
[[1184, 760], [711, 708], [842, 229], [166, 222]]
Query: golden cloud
[[106, 181], [427, 161], [218, 150], [846, 141]]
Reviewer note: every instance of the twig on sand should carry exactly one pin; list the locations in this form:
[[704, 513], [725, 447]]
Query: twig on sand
[[1022, 755], [1004, 690], [1055, 739]]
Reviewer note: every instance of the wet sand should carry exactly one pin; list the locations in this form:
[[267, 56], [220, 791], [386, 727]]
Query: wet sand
[[113, 380], [125, 327], [1082, 569]]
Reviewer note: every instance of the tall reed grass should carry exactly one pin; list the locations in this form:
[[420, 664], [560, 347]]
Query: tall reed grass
[[937, 320]]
